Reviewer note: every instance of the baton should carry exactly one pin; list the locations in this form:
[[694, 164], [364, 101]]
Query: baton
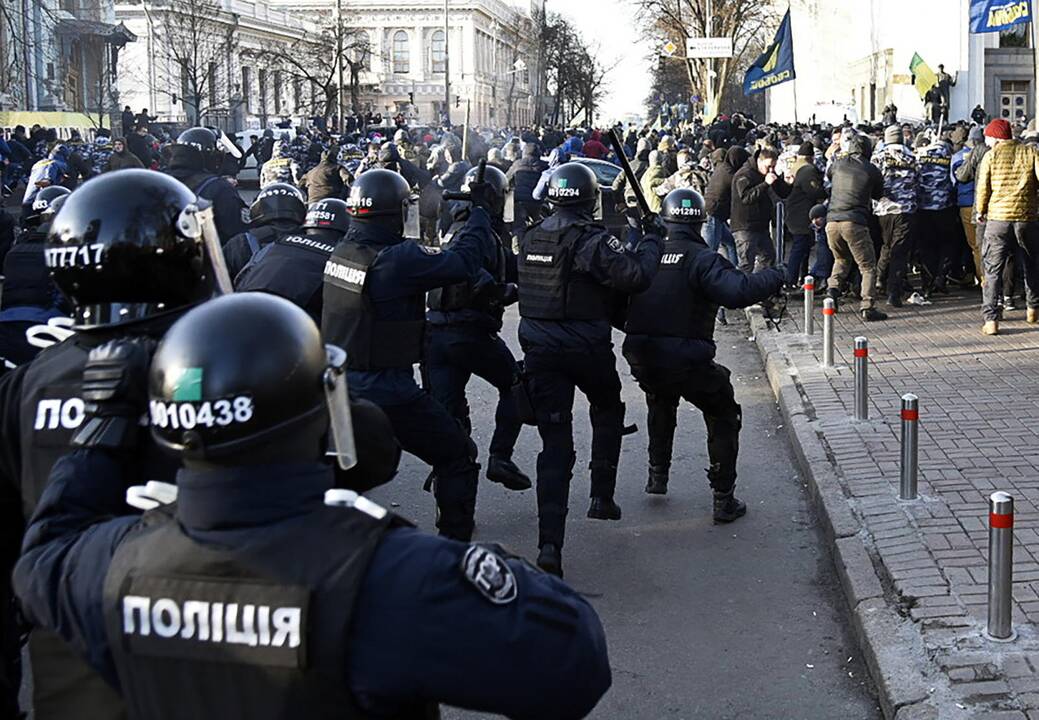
[[629, 173]]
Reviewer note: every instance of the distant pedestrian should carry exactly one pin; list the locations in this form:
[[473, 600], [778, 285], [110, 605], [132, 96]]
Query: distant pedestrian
[[128, 120]]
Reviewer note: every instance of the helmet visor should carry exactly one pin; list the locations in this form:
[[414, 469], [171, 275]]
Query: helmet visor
[[509, 213], [597, 213], [411, 219], [342, 427], [198, 222], [224, 143]]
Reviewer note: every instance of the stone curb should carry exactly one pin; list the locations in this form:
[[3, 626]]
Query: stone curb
[[891, 645]]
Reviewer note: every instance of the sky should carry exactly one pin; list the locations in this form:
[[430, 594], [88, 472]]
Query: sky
[[611, 23]]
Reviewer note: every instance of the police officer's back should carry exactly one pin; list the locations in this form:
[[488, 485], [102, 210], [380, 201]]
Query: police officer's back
[[571, 271], [277, 212], [670, 345], [195, 160], [264, 595], [374, 303], [130, 250], [293, 265]]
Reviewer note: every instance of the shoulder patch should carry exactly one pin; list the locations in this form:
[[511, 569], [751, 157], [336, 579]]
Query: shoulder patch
[[429, 250], [489, 574], [615, 244]]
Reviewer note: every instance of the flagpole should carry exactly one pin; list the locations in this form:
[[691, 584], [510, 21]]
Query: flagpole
[[790, 11], [793, 84]]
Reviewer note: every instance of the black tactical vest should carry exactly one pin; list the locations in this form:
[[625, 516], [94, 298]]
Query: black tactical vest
[[460, 295], [255, 628], [670, 308], [549, 288], [348, 316], [51, 411], [291, 267]]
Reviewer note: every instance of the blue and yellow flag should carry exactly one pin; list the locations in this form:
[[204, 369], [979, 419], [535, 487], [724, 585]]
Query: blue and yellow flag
[[994, 15], [775, 65]]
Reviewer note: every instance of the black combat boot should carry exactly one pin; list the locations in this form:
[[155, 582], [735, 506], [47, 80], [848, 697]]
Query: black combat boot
[[604, 509], [658, 475], [727, 507], [550, 559], [504, 472]]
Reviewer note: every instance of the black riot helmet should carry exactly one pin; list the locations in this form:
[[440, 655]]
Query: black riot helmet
[[201, 138], [41, 204], [684, 206], [327, 214], [378, 193], [131, 244], [495, 178], [571, 184], [278, 202], [244, 372]]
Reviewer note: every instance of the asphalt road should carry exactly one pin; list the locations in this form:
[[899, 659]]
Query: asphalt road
[[740, 621]]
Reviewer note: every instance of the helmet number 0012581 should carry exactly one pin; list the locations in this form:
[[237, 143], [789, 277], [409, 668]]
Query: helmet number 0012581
[[74, 255], [187, 415]]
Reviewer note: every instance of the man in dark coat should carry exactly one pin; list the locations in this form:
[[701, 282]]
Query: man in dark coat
[[755, 190]]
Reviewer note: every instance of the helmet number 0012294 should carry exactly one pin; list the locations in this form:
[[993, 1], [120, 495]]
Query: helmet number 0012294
[[74, 255], [187, 415]]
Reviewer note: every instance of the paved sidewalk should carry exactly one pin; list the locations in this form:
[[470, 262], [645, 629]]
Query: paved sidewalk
[[915, 573]]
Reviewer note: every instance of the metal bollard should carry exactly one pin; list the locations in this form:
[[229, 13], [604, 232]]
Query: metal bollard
[[861, 378], [809, 288], [910, 443], [828, 313], [1000, 565]]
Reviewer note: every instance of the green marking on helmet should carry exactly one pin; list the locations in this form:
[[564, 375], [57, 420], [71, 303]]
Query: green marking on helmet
[[188, 387], [562, 182], [687, 203]]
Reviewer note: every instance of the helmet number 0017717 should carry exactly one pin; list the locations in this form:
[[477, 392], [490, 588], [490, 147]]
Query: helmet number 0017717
[[74, 255], [187, 415]]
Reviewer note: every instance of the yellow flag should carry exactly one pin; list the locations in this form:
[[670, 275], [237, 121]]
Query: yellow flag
[[925, 77]]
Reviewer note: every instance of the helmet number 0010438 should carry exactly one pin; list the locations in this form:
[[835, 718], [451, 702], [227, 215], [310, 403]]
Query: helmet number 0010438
[[74, 255], [187, 415]]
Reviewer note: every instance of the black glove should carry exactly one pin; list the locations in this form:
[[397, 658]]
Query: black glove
[[115, 392], [482, 196], [509, 294], [652, 225], [378, 452]]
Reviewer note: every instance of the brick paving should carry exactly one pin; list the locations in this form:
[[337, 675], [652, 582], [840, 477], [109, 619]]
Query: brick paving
[[979, 432]]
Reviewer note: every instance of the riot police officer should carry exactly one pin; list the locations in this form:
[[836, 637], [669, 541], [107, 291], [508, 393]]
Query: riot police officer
[[29, 297], [196, 159], [292, 266], [569, 269], [131, 250], [462, 341], [277, 212], [265, 593], [374, 299], [670, 346]]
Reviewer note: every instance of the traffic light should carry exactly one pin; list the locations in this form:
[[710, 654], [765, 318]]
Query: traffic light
[[411, 98], [458, 100]]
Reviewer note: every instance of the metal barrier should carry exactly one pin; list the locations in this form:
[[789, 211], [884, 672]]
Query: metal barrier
[[861, 378], [828, 313], [1000, 566], [809, 288], [910, 445]]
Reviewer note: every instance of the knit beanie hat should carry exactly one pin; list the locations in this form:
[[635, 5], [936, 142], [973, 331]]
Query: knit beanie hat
[[817, 211], [977, 135], [806, 149], [893, 135], [999, 129]]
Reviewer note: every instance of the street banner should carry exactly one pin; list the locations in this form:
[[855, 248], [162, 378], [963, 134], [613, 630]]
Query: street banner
[[923, 76], [994, 15], [775, 65]]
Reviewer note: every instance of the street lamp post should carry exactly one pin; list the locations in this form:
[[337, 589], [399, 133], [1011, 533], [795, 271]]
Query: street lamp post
[[447, 65]]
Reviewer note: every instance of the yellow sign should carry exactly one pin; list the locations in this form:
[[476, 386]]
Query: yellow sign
[[670, 48]]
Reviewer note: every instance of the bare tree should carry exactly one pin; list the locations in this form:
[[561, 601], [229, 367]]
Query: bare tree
[[572, 70], [195, 40], [744, 21]]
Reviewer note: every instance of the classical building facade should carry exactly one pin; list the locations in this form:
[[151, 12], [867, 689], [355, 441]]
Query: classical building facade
[[487, 48], [60, 55], [231, 81], [853, 59]]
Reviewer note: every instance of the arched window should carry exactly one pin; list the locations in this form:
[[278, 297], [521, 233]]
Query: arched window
[[439, 54], [360, 50], [401, 53]]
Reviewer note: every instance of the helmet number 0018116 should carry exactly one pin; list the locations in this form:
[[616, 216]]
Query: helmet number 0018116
[[187, 415], [74, 255]]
